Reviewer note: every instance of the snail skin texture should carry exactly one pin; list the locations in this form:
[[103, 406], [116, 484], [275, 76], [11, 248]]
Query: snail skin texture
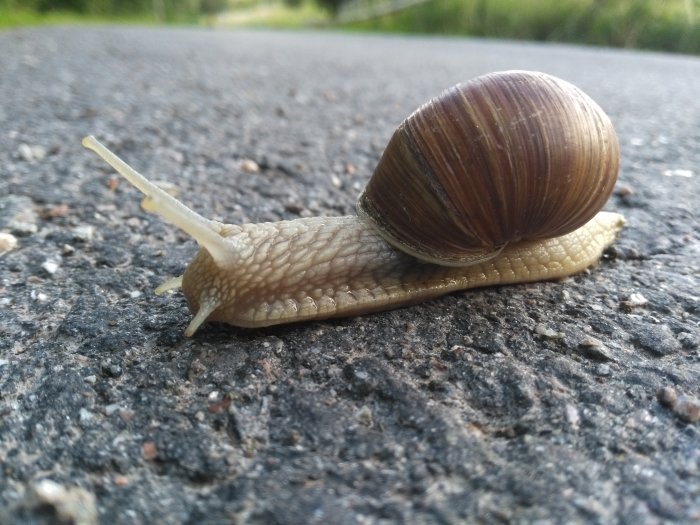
[[496, 181]]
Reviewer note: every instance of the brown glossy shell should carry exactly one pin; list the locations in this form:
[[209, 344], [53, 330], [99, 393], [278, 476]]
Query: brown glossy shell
[[506, 156]]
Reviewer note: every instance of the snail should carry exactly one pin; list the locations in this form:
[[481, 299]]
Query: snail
[[498, 180]]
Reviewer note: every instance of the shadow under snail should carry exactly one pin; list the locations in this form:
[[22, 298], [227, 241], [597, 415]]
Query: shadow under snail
[[496, 181]]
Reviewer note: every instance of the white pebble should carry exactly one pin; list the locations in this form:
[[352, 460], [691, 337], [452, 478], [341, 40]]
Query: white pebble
[[686, 174], [50, 266], [84, 233], [7, 242], [637, 299], [544, 330], [31, 153], [112, 409], [39, 297], [572, 415], [85, 415], [249, 166], [70, 505]]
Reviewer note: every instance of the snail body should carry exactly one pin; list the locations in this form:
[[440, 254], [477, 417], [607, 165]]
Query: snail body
[[496, 181]]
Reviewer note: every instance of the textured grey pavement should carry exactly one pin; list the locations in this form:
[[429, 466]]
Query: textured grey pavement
[[573, 401]]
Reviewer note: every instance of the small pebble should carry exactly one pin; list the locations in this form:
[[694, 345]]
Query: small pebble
[[294, 437], [624, 191], [39, 297], [70, 505], [336, 181], [120, 480], [592, 342], [50, 266], [85, 416], [544, 330], [594, 349], [149, 452], [8, 242], [635, 300], [667, 396], [294, 207], [113, 183], [683, 173], [364, 415], [572, 416], [111, 409], [84, 232], [687, 409], [249, 166], [31, 153]]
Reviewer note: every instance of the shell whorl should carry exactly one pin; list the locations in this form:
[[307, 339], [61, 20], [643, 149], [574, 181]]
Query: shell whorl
[[504, 157]]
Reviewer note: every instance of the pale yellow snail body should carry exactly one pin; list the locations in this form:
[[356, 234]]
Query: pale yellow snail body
[[499, 180]]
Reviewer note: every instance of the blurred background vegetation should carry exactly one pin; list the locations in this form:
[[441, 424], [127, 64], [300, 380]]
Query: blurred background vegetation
[[666, 25]]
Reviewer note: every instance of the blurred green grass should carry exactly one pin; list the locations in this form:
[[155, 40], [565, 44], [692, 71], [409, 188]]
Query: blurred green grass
[[666, 25], [17, 13], [280, 15], [663, 25], [27, 17]]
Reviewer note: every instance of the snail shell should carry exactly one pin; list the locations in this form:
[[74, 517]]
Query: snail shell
[[507, 156]]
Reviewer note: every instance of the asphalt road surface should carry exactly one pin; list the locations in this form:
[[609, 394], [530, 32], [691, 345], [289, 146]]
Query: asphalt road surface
[[571, 401]]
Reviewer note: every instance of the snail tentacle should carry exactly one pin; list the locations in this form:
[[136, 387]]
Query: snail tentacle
[[201, 229], [205, 310], [170, 284]]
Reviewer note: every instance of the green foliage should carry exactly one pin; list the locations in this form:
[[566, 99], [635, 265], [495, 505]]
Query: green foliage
[[156, 10], [274, 14], [671, 25], [332, 6], [668, 25]]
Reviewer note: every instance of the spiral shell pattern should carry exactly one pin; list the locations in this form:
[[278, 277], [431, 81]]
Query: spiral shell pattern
[[504, 157]]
